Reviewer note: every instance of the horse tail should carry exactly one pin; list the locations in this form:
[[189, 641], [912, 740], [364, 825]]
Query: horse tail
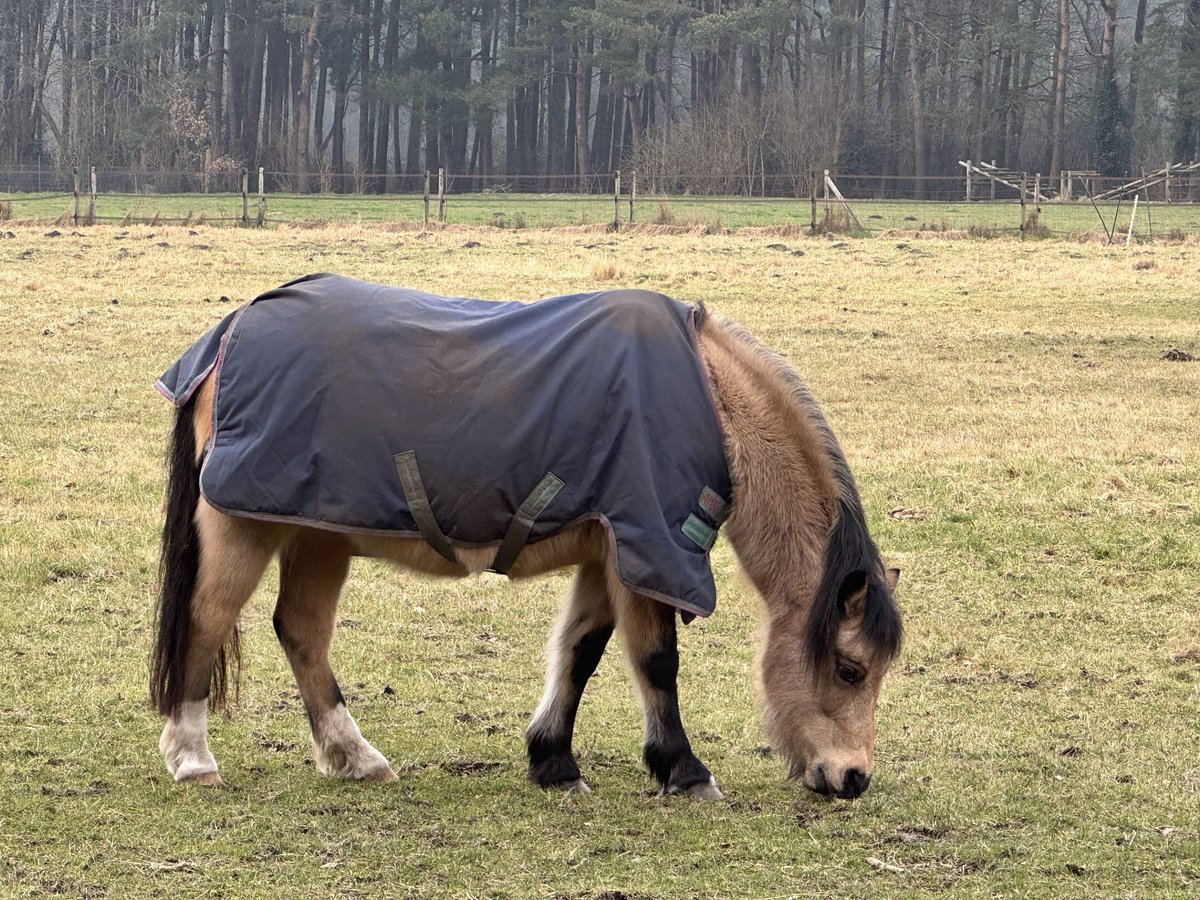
[[178, 567]]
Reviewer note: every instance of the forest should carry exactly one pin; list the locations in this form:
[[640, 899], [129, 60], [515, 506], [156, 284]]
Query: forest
[[709, 89]]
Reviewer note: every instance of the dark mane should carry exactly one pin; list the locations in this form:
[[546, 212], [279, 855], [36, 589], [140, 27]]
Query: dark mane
[[850, 553]]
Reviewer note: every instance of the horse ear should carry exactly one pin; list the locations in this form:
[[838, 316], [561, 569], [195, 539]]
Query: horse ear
[[852, 598], [893, 577]]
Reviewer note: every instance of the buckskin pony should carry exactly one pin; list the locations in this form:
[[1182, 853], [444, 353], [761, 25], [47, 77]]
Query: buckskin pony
[[614, 431]]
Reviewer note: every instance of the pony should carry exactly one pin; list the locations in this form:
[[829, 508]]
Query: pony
[[795, 521]]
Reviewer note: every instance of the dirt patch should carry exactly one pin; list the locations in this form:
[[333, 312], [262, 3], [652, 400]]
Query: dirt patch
[[1191, 654], [1174, 355]]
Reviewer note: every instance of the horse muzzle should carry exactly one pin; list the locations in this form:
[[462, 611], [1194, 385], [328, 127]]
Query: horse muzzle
[[854, 783]]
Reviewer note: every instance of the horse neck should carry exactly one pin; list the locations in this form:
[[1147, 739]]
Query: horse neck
[[784, 488]]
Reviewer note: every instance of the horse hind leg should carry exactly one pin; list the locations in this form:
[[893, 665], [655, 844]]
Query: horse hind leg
[[233, 555], [649, 638], [580, 636], [312, 570]]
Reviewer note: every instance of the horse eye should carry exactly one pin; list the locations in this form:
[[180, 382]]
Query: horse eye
[[849, 674]]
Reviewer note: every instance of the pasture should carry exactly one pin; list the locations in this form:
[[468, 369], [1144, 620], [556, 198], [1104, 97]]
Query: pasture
[[710, 213], [1022, 421]]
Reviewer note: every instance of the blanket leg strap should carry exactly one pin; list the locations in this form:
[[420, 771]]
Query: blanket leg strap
[[418, 505], [522, 522]]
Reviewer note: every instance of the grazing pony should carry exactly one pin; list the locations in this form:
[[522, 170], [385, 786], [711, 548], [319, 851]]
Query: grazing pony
[[644, 415]]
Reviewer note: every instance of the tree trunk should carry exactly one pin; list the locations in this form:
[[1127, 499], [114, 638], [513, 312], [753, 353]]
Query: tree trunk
[[337, 134], [302, 155], [366, 148], [918, 111], [217, 79], [602, 138], [1135, 65], [1059, 109], [583, 99], [319, 137], [1186, 99]]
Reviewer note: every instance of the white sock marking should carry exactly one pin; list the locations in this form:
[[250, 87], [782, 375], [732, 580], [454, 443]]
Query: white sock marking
[[184, 742]]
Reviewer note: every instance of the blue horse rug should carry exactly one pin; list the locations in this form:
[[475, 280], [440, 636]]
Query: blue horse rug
[[363, 408]]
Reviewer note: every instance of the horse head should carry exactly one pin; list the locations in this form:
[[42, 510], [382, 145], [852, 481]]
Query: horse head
[[821, 682]]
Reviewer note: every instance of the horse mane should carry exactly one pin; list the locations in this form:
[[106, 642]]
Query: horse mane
[[850, 555]]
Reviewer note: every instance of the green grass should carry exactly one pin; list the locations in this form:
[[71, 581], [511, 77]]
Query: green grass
[[981, 218], [1027, 457]]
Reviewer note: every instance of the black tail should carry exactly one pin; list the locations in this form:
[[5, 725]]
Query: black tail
[[177, 571]]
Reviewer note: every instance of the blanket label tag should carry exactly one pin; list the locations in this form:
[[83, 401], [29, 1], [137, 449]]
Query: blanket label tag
[[715, 505], [701, 535]]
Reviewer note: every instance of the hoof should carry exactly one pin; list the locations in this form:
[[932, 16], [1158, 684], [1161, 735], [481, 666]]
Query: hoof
[[383, 776], [357, 762], [705, 790], [578, 786], [197, 766], [207, 779]]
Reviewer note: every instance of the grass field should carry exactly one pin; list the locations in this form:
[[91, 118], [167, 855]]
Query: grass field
[[503, 210], [1027, 449]]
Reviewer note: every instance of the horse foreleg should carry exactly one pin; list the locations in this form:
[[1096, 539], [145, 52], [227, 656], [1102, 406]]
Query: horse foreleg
[[648, 634], [580, 636], [312, 570], [233, 555]]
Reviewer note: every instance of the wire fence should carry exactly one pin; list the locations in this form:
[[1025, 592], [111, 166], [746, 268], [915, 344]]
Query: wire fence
[[983, 201]]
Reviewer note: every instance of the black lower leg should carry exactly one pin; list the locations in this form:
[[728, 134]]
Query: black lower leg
[[668, 753], [548, 741]]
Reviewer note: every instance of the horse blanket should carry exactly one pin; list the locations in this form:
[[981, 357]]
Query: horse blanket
[[364, 408]]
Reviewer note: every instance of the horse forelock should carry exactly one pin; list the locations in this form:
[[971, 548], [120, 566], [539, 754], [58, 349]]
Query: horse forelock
[[850, 550], [849, 547]]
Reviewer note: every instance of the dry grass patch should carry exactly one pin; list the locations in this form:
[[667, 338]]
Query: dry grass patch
[[606, 271], [926, 234]]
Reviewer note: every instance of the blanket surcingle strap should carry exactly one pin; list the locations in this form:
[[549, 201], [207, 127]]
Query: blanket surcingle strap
[[526, 419], [522, 522], [419, 508]]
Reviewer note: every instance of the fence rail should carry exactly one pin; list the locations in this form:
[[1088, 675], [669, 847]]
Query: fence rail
[[983, 200]]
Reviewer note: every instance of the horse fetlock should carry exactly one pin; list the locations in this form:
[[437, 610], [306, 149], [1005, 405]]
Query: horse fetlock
[[557, 771], [677, 769]]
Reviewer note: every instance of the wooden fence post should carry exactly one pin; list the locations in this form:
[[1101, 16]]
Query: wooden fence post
[[262, 196], [1037, 193], [968, 167], [91, 216], [1167, 183], [441, 196], [632, 193], [75, 214], [425, 198], [245, 197], [617, 199], [207, 167], [1149, 218], [1024, 183], [993, 181], [826, 196]]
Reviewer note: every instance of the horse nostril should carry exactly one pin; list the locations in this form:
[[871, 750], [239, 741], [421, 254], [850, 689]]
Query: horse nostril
[[854, 783], [822, 785]]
